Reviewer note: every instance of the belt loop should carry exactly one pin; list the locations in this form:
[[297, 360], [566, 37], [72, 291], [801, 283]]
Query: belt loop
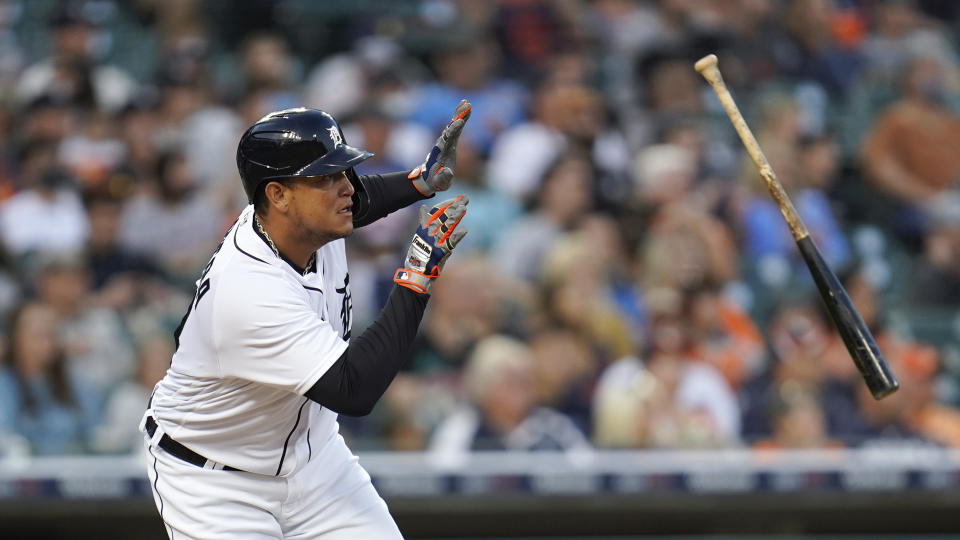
[[157, 434]]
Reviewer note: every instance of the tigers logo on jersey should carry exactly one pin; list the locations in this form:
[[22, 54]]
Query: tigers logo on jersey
[[346, 306]]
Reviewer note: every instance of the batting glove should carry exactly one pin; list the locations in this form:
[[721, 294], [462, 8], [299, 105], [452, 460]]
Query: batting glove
[[436, 173], [435, 238]]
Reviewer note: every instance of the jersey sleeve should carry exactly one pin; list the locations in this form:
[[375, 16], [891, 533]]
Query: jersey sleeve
[[268, 333], [381, 195]]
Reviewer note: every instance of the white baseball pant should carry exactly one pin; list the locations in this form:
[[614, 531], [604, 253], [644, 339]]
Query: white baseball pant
[[331, 498]]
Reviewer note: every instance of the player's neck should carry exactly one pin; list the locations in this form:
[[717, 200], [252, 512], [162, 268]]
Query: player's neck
[[284, 244]]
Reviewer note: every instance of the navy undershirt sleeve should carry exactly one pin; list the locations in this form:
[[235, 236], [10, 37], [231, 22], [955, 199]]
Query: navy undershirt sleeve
[[380, 194], [355, 382]]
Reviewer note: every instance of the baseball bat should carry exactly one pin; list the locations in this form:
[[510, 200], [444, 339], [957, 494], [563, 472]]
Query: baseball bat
[[858, 339]]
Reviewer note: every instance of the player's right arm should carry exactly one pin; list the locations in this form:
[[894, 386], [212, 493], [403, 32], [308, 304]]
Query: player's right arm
[[362, 373], [379, 195]]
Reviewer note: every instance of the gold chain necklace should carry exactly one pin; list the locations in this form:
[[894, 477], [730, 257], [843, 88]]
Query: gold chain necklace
[[265, 235]]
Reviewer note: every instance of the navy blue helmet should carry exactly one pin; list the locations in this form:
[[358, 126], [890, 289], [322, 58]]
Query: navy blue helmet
[[293, 143]]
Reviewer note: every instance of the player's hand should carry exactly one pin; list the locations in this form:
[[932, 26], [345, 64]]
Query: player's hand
[[436, 173], [435, 238]]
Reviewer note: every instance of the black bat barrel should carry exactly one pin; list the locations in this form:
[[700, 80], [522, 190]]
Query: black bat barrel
[[858, 339]]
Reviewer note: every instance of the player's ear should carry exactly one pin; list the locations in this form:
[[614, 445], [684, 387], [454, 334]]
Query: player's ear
[[277, 195]]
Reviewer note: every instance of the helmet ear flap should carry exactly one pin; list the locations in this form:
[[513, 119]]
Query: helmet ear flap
[[361, 199], [354, 179]]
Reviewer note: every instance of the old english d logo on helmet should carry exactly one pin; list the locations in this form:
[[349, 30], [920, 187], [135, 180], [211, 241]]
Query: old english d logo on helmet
[[335, 136], [294, 143]]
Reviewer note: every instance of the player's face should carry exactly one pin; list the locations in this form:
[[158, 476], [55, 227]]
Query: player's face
[[321, 207]]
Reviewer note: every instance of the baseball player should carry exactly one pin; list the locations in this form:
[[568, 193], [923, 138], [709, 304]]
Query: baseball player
[[241, 433]]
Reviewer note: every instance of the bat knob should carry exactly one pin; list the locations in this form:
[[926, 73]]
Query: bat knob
[[705, 63]]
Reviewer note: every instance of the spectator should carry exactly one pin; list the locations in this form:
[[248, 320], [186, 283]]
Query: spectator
[[137, 126], [627, 31], [529, 32], [110, 262], [628, 406], [563, 198], [797, 420], [565, 371], [200, 127], [39, 399], [173, 222], [886, 49], [522, 153], [502, 412], [11, 286], [378, 130], [818, 167], [663, 174], [721, 335], [803, 171], [912, 152], [71, 72], [467, 69], [47, 117], [707, 404], [47, 215], [267, 65], [800, 340], [669, 361], [119, 431], [886, 422], [673, 404], [684, 247], [93, 154], [376, 71], [463, 310], [672, 91], [936, 281], [124, 281], [578, 295], [825, 39], [94, 340], [917, 367], [567, 118], [915, 364]]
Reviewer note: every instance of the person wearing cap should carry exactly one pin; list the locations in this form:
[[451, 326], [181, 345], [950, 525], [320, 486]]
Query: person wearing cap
[[71, 72]]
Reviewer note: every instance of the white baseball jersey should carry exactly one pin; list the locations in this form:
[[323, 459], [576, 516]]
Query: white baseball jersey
[[257, 336]]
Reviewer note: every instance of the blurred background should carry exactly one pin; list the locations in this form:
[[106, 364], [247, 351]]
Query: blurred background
[[627, 341]]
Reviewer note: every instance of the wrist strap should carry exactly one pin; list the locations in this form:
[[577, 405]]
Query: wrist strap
[[412, 280]]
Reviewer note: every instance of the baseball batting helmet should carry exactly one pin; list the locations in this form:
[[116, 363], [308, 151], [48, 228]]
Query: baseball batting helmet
[[293, 143]]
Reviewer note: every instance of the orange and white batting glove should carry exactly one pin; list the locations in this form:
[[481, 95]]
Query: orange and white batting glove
[[436, 173], [435, 238]]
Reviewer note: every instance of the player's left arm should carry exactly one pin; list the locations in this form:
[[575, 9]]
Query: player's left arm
[[353, 384], [378, 195]]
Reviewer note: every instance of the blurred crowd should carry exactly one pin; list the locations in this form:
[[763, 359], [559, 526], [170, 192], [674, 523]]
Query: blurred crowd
[[627, 281]]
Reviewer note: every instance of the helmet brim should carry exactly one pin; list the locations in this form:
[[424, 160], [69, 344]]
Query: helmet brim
[[339, 159]]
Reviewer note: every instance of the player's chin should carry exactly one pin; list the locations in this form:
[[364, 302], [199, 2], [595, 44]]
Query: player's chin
[[346, 226]]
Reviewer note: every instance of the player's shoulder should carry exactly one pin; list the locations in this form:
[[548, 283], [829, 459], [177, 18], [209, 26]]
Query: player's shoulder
[[244, 262], [243, 277], [243, 244]]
